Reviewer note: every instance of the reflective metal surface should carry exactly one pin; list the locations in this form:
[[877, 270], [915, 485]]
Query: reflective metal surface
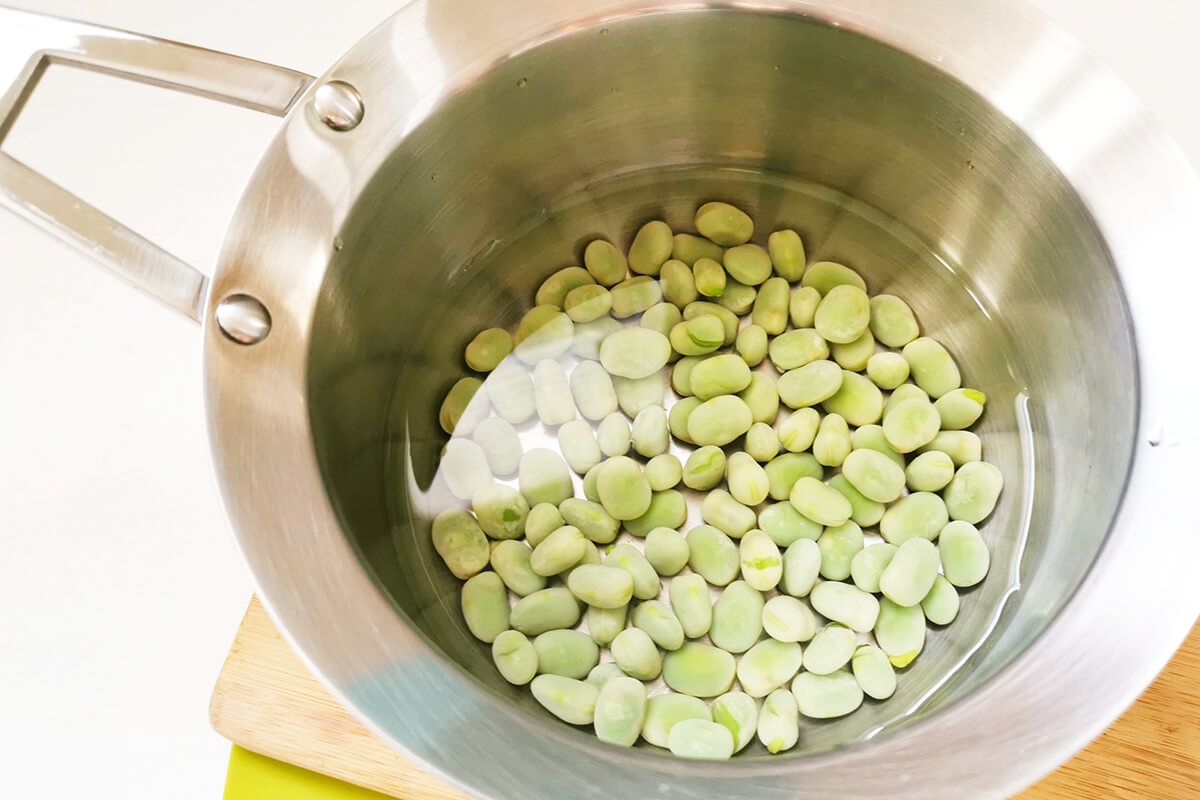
[[243, 319]]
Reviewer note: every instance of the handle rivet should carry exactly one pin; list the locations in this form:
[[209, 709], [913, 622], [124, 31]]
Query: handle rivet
[[338, 105], [244, 319]]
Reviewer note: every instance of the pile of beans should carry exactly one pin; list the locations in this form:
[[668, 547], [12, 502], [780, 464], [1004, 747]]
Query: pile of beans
[[809, 615]]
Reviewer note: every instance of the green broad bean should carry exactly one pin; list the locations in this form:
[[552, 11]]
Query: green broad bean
[[636, 654], [784, 470], [589, 483], [623, 488], [824, 276], [589, 335], [650, 432], [552, 393], [681, 374], [590, 518], [738, 712], [748, 482], [578, 445], [785, 525], [802, 308], [705, 468], [762, 397], [973, 492], [874, 673], [720, 420], [787, 254], [620, 711], [864, 511], [963, 447], [768, 665], [747, 264], [515, 657], [692, 605], [663, 472], [568, 653], [614, 435], [667, 510], [659, 623], [712, 555], [699, 670], [661, 317], [796, 348], [762, 565], [543, 477], [900, 632], [826, 696], [857, 400], [839, 545], [832, 443], [737, 619], [845, 604], [665, 711], [634, 353], [666, 550], [887, 370], [813, 383], [762, 443], [786, 619], [511, 561], [485, 606], [697, 337], [917, 515], [464, 407], [779, 722], [634, 395], [604, 623], [554, 290], [719, 375], [868, 565], [547, 610], [559, 551], [771, 306], [651, 248], [911, 425], [544, 332], [605, 671], [489, 347], [751, 344], [870, 437], [724, 224], [677, 420], [464, 468], [700, 740], [875, 475], [634, 295], [941, 604], [646, 584], [587, 303], [566, 698], [933, 369], [727, 317], [593, 391], [801, 566], [798, 430], [930, 471], [709, 277], [721, 510], [605, 262], [905, 391], [677, 283], [964, 554], [910, 574], [818, 502], [500, 443], [853, 356], [892, 321], [543, 520], [460, 542], [831, 649], [960, 408], [689, 249]]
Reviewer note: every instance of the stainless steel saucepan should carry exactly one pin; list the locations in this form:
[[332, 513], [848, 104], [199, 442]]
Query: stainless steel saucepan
[[970, 157]]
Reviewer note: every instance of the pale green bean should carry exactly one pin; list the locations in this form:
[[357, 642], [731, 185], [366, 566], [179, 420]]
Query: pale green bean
[[751, 344], [605, 262], [460, 542], [920, 514], [720, 420], [796, 348], [874, 673], [667, 509], [515, 657], [511, 561], [664, 472], [543, 520], [762, 443], [762, 565], [802, 308], [666, 550], [847, 604], [601, 586], [712, 555], [786, 619], [634, 353], [810, 384], [941, 604], [689, 248], [665, 711], [578, 446], [857, 400], [721, 510], [839, 545], [566, 698], [587, 303], [887, 370], [552, 393], [636, 654], [737, 619], [464, 407], [699, 670], [651, 247], [973, 492], [614, 435], [771, 306], [489, 347], [635, 295], [831, 649], [620, 711], [892, 321], [801, 566], [709, 276], [870, 437], [738, 712], [554, 290], [604, 623], [678, 284], [593, 391], [544, 332], [964, 554], [798, 430], [646, 584], [825, 275], [779, 722], [464, 468], [737, 297], [785, 525], [650, 433], [547, 610], [681, 375], [543, 477], [568, 653], [933, 369], [900, 632], [873, 474], [692, 605], [787, 254], [701, 740], [500, 443], [724, 224], [768, 665], [634, 395], [784, 470], [659, 623], [719, 375], [910, 574], [960, 408], [748, 264], [832, 443], [819, 502], [863, 510], [963, 447], [905, 391], [605, 671], [748, 482], [868, 565], [661, 317], [623, 488], [559, 551], [704, 468], [930, 471], [697, 337], [826, 696], [485, 606], [911, 425], [727, 317], [761, 396]]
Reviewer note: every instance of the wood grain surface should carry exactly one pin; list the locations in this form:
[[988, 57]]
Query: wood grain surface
[[267, 702]]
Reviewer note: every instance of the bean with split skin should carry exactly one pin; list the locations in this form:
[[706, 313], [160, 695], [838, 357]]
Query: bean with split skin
[[779, 722], [665, 711], [738, 712]]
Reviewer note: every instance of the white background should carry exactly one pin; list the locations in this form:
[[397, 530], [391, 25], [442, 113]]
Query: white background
[[120, 587]]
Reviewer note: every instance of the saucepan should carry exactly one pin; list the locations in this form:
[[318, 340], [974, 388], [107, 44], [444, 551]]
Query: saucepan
[[970, 157]]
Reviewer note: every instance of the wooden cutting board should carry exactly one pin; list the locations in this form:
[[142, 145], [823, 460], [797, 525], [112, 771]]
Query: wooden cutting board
[[267, 702]]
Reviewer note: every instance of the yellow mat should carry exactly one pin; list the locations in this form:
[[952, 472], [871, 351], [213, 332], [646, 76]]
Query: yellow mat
[[255, 777]]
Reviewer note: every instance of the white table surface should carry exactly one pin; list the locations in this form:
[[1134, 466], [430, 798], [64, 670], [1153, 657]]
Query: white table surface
[[120, 585]]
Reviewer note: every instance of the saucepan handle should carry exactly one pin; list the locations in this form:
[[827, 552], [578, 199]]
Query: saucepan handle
[[51, 40]]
